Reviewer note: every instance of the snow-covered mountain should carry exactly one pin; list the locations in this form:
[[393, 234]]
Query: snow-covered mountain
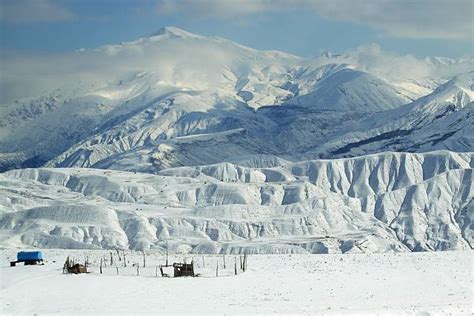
[[350, 90], [382, 202], [443, 119], [173, 96], [217, 147]]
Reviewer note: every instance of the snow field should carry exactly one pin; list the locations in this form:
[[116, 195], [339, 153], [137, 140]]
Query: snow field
[[391, 283]]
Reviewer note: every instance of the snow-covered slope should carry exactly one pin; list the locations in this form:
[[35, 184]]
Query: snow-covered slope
[[351, 90], [383, 202], [443, 119], [149, 76]]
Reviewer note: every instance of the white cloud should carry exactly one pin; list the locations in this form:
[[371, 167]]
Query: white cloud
[[29, 75], [373, 59], [436, 19], [33, 11], [221, 8]]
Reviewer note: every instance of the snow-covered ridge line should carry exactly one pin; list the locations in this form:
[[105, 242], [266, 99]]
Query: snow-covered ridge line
[[376, 203]]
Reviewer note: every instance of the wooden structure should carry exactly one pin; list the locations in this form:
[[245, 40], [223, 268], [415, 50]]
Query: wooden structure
[[183, 269], [71, 267], [77, 268]]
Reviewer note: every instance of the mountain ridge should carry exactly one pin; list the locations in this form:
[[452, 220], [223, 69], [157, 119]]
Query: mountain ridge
[[423, 204]]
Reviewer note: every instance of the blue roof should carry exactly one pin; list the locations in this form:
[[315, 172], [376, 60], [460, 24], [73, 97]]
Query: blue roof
[[29, 255]]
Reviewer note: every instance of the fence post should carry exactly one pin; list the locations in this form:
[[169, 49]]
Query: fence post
[[217, 268], [224, 260], [118, 254], [235, 265]]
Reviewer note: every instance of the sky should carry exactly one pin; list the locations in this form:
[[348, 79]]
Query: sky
[[301, 27]]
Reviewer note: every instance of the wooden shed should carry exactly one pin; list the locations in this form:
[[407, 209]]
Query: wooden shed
[[183, 269]]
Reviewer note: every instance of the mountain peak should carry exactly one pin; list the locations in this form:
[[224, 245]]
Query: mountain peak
[[459, 90], [171, 31]]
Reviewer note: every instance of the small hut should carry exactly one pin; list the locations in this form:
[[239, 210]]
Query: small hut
[[183, 269]]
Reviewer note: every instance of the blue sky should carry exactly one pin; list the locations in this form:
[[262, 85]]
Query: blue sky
[[302, 27]]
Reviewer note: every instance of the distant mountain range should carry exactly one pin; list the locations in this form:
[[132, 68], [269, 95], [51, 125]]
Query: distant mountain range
[[184, 99]]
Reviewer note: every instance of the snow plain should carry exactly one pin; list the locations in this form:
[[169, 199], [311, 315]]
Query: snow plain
[[436, 283]]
